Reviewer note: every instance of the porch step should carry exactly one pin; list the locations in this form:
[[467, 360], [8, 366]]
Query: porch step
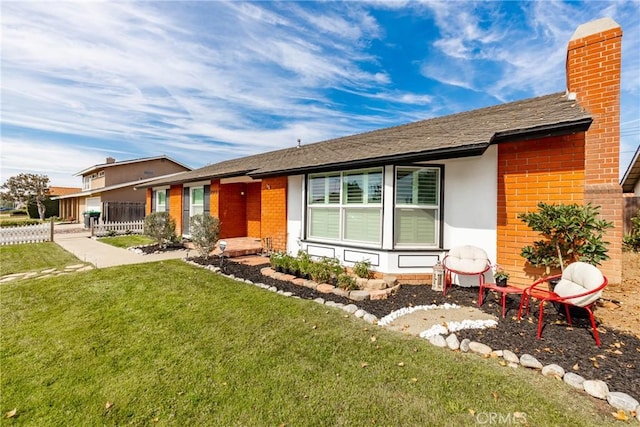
[[236, 247]]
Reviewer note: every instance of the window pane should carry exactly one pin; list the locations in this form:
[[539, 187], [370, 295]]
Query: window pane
[[362, 224], [334, 189], [197, 210], [324, 222], [316, 189], [354, 188], [324, 189], [427, 187], [197, 196], [416, 226], [160, 197], [404, 187], [374, 187]]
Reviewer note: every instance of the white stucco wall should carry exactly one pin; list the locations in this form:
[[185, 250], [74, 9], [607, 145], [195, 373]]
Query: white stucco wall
[[470, 201], [295, 212]]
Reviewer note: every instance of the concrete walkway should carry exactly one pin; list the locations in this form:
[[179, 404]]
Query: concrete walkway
[[102, 255]]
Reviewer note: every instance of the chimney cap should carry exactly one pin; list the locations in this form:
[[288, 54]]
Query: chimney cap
[[594, 27], [110, 160]]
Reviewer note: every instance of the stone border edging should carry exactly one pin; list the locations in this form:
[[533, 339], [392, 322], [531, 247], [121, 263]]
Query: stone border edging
[[595, 388]]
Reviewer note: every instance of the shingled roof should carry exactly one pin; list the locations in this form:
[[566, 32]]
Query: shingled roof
[[457, 135]]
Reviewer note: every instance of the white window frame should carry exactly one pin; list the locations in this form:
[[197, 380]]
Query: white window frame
[[415, 205], [160, 207], [195, 209], [342, 207]]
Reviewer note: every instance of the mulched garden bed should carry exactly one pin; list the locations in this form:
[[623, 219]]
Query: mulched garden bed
[[617, 361]]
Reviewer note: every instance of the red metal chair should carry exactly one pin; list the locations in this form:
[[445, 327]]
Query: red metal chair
[[465, 261], [580, 285]]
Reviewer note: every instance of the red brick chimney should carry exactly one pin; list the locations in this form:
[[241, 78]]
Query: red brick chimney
[[593, 75]]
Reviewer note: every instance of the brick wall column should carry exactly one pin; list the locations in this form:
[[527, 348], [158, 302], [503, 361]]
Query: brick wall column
[[273, 215], [147, 205], [175, 206], [593, 74]]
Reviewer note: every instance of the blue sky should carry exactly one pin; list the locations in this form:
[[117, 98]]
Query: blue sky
[[208, 81]]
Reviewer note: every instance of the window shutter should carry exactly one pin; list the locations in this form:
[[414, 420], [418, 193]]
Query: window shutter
[[207, 199], [153, 201], [166, 200], [185, 210]]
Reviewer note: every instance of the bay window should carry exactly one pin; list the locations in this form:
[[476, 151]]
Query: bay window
[[346, 206]]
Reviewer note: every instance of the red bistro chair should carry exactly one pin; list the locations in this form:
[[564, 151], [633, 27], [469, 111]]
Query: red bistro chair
[[465, 261], [580, 285]]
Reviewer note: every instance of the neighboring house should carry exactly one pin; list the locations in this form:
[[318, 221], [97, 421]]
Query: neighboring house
[[631, 179], [402, 196], [631, 189], [108, 188], [53, 207]]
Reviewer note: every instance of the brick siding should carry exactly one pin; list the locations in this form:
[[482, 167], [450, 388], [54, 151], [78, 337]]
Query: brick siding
[[593, 74], [147, 205], [547, 170], [274, 212], [175, 206]]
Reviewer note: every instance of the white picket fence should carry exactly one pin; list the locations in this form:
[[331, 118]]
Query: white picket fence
[[26, 234], [127, 227]]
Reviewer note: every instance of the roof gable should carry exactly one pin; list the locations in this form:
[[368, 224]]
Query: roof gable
[[100, 166]]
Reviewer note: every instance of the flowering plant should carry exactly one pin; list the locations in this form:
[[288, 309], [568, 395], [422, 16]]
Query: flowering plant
[[500, 273]]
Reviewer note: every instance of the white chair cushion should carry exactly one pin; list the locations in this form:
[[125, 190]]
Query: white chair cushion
[[579, 278], [467, 259]]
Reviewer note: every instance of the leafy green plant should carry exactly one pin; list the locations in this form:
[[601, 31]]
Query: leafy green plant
[[304, 263], [631, 241], [500, 274], [362, 269], [325, 270], [160, 227], [275, 260], [204, 230], [346, 282], [571, 233]]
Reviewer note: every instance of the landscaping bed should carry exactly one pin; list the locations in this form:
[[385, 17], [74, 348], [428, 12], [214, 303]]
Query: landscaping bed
[[617, 361]]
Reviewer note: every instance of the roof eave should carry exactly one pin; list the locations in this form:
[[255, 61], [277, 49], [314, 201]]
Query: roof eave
[[545, 131], [438, 154]]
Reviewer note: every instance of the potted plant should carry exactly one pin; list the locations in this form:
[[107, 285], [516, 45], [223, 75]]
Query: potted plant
[[500, 275], [571, 233]]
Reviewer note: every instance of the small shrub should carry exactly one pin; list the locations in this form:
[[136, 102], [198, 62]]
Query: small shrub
[[362, 269], [288, 262], [274, 260], [304, 263], [112, 233], [160, 227], [571, 233], [18, 212], [204, 230], [20, 223], [325, 270], [346, 282], [631, 241]]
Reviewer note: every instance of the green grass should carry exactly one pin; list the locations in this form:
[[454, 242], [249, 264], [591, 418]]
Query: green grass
[[128, 240], [34, 257], [171, 344]]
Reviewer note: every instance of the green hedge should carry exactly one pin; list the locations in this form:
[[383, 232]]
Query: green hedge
[[19, 223]]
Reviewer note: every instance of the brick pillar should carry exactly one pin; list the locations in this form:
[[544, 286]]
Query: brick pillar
[[593, 75], [148, 198], [273, 215], [175, 206], [214, 199]]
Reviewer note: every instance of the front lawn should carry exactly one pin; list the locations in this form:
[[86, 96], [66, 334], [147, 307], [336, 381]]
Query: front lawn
[[171, 344], [128, 240], [34, 257]]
